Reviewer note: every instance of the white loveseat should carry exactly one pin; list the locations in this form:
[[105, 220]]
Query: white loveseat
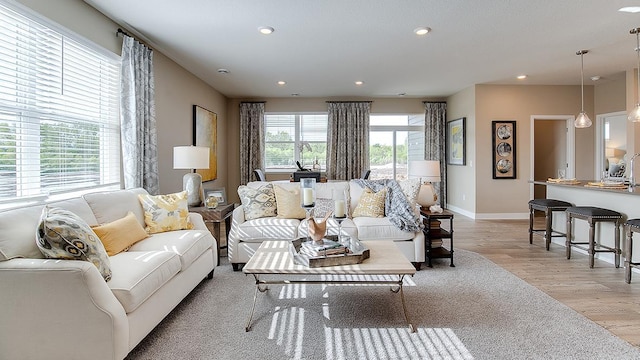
[[246, 236], [64, 309]]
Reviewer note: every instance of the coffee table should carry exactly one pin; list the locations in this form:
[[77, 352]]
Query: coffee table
[[273, 258]]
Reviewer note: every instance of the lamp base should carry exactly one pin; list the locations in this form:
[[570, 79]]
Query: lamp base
[[192, 184], [427, 195]]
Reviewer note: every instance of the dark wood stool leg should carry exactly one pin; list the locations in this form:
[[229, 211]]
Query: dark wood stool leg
[[628, 252], [617, 244], [568, 241], [592, 242], [549, 231], [530, 224]]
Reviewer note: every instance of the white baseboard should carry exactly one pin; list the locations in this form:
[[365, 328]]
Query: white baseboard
[[489, 216]]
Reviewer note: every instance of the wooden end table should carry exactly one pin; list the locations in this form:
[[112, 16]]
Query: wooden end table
[[433, 231], [215, 216]]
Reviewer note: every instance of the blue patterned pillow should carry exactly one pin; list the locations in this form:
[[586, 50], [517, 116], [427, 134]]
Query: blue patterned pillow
[[64, 235], [258, 203]]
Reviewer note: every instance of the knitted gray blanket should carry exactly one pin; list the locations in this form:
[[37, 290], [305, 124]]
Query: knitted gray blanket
[[397, 207]]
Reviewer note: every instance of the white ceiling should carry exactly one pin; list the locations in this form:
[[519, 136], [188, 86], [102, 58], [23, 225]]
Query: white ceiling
[[321, 47]]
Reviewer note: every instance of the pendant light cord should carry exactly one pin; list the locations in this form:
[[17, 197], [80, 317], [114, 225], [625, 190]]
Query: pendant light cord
[[582, 78], [638, 56]]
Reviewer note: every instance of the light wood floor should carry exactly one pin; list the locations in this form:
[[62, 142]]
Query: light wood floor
[[600, 294]]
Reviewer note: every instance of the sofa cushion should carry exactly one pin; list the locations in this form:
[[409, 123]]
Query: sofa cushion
[[188, 244], [258, 203], [64, 235], [380, 229], [165, 212], [139, 274], [119, 235], [18, 227], [257, 230], [371, 204], [108, 206], [288, 203]]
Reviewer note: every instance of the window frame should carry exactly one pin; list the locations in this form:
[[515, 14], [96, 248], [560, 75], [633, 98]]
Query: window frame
[[298, 144], [394, 129], [35, 116]]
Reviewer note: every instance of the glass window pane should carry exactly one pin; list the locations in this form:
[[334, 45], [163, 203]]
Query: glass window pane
[[381, 155], [280, 127], [279, 155]]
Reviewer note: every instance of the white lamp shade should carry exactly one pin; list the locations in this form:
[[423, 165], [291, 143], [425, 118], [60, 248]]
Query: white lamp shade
[[191, 157], [427, 170]]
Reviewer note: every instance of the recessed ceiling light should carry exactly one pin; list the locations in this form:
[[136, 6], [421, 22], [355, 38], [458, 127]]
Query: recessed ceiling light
[[281, 82], [359, 82], [630, 9], [402, 94], [422, 30], [595, 78], [223, 71], [266, 30], [521, 77], [295, 94]]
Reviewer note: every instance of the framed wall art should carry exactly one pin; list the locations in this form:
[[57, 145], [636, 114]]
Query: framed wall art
[[219, 194], [456, 140], [504, 149], [205, 133]]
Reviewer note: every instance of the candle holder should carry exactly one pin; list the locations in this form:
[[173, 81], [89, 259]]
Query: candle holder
[[339, 209], [308, 199]]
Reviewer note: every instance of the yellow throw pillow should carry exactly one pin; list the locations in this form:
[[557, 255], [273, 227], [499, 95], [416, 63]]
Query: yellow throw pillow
[[371, 204], [288, 203], [118, 236], [166, 212]]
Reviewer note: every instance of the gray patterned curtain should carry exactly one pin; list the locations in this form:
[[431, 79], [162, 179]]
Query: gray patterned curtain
[[348, 139], [251, 139], [434, 145], [138, 117]]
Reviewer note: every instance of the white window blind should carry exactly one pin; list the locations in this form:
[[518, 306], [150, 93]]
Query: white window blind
[[59, 124], [295, 137]]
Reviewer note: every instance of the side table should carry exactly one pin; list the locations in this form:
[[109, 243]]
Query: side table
[[433, 231], [215, 216]]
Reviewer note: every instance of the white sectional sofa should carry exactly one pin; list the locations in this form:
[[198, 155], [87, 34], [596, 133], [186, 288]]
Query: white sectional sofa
[[246, 236], [64, 309]]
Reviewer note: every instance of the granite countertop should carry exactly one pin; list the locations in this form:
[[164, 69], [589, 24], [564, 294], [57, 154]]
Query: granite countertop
[[582, 184]]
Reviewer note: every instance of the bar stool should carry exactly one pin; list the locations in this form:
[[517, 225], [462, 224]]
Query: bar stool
[[548, 206], [630, 226], [594, 215]]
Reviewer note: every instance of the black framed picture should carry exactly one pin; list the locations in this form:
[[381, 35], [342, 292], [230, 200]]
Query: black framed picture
[[456, 142], [503, 135]]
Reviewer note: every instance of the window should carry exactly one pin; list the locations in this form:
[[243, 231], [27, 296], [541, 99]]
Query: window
[[59, 124], [394, 140], [295, 137]]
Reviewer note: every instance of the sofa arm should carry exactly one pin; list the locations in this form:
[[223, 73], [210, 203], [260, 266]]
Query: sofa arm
[[61, 308], [234, 233]]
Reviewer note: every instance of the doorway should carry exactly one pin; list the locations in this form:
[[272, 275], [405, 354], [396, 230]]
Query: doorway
[[611, 142], [552, 150]]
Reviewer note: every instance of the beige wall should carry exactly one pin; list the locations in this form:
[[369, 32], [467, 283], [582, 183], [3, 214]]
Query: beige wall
[[610, 96], [176, 89], [461, 180], [378, 106], [519, 103]]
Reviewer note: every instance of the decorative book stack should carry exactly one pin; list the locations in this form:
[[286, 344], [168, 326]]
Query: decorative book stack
[[435, 233], [329, 253]]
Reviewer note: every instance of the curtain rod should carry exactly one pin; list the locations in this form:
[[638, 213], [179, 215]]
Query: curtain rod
[[120, 31], [252, 102], [347, 102], [434, 102]]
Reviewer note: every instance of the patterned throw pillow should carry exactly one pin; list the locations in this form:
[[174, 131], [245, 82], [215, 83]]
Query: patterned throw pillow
[[64, 235], [165, 212], [119, 235], [288, 203], [323, 207], [258, 203], [371, 204]]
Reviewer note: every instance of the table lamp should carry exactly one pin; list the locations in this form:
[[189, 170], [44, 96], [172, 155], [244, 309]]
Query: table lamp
[[428, 171], [192, 158]]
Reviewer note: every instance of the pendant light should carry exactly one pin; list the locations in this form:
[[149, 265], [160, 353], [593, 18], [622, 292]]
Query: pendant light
[[582, 121], [634, 115]]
